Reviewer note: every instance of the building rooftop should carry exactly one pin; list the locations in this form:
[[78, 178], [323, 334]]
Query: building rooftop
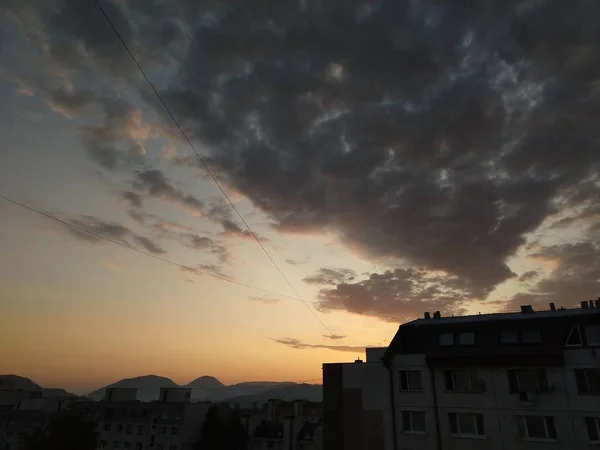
[[522, 315]]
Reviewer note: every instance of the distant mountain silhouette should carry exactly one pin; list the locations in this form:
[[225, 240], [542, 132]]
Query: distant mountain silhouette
[[148, 387], [311, 392], [16, 382], [205, 382], [210, 388]]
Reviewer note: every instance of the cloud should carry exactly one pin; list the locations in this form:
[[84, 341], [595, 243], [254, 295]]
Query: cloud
[[433, 135], [195, 242], [528, 276], [296, 262], [399, 295], [335, 337], [134, 199], [331, 276], [213, 269], [298, 345], [110, 230], [154, 183]]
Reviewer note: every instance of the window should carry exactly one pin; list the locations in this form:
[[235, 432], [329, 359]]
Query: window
[[536, 427], [162, 430], [466, 339], [108, 412], [463, 381], [574, 337], [103, 443], [132, 412], [528, 380], [127, 445], [410, 380], [593, 428], [466, 424], [174, 431], [509, 337], [144, 412], [413, 422], [106, 427], [116, 444], [532, 336], [129, 429], [119, 428], [140, 429], [588, 381], [138, 446], [592, 333], [446, 340]]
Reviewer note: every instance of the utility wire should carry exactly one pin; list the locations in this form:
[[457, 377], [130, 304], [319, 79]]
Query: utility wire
[[207, 168], [166, 260]]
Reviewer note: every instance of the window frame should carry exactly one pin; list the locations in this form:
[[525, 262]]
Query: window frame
[[534, 342], [525, 427], [595, 421], [585, 373], [543, 387], [474, 386], [574, 329], [478, 419], [465, 333], [411, 422], [441, 344], [407, 373], [516, 334]]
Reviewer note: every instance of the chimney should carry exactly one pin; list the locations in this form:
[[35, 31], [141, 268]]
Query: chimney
[[359, 361], [427, 316], [526, 309], [584, 304], [552, 307], [437, 315]]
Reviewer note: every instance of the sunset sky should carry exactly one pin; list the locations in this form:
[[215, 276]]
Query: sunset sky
[[391, 157]]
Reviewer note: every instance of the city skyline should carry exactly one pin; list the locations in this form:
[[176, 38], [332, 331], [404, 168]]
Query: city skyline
[[391, 160]]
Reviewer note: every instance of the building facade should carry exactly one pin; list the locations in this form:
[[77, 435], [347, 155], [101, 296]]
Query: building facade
[[124, 423], [491, 382]]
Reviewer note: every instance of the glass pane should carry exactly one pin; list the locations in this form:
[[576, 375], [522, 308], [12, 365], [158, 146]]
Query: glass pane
[[462, 380], [592, 333], [453, 423], [446, 340], [467, 338], [528, 380], [592, 428], [406, 421], [418, 421], [536, 427], [593, 381], [509, 337], [574, 338], [532, 336], [414, 380], [466, 424]]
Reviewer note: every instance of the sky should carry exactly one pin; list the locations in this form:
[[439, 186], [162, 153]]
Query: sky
[[389, 157]]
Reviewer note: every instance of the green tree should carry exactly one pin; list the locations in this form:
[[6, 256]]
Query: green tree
[[67, 432]]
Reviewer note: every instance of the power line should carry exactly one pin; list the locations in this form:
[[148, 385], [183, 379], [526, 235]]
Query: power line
[[207, 168], [166, 260]]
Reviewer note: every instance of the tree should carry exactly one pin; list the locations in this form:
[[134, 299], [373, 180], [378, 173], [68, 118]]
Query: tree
[[67, 432], [219, 433]]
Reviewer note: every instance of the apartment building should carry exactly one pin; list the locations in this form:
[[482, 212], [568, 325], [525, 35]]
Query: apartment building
[[525, 380], [124, 423]]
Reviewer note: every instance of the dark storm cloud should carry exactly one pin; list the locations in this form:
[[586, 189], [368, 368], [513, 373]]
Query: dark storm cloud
[[399, 295], [154, 183], [436, 133], [331, 276], [109, 230], [575, 276], [299, 345]]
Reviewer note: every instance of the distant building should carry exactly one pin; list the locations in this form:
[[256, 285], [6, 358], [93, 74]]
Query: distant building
[[124, 423], [492, 381], [283, 425]]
